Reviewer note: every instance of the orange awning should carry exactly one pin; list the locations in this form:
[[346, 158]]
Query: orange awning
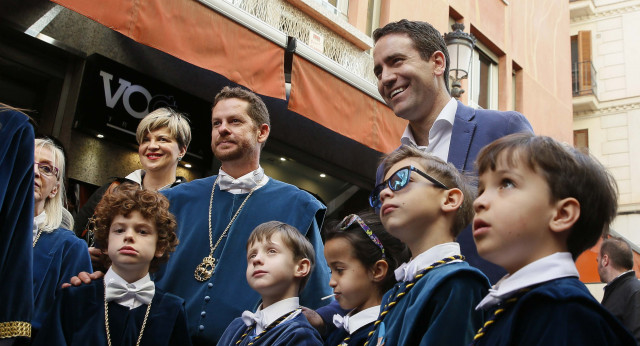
[[336, 105], [196, 34]]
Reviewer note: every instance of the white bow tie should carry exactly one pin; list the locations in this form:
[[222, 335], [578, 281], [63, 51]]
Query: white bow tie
[[226, 182], [116, 291], [401, 273], [249, 318], [341, 322]]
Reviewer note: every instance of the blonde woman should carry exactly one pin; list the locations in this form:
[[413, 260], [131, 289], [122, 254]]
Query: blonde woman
[[163, 138], [57, 253]]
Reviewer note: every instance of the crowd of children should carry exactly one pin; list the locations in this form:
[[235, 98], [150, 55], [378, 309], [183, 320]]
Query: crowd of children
[[398, 273]]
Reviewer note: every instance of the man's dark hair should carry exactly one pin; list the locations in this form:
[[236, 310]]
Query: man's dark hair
[[619, 252], [426, 39]]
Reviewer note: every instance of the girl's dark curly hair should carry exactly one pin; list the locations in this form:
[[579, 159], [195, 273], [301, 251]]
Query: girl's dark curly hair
[[152, 205]]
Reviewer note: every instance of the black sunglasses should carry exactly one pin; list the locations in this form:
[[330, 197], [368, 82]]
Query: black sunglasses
[[398, 181]]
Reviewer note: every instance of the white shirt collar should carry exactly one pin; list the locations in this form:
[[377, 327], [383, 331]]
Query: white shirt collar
[[38, 222], [555, 266], [136, 176], [407, 271], [439, 134], [244, 184], [362, 318], [130, 302], [276, 310]]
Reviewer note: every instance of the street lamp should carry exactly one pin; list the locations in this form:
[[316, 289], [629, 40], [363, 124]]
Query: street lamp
[[460, 46]]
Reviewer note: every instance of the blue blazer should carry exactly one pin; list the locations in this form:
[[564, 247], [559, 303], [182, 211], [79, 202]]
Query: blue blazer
[[472, 130]]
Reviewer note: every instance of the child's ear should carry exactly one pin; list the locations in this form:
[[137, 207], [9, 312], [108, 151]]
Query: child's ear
[[159, 251], [452, 200], [379, 270], [567, 212], [302, 268]]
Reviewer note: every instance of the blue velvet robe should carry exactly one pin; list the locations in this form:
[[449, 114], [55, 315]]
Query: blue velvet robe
[[16, 222], [357, 338], [296, 331], [77, 318], [57, 257], [558, 312], [213, 304], [438, 310]]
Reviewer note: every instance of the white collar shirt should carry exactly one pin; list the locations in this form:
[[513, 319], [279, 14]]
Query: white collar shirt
[[439, 134], [129, 301], [255, 179], [555, 266], [276, 310], [38, 221], [352, 323], [407, 271]]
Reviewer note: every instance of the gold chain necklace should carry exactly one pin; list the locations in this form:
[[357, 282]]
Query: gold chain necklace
[[106, 319], [37, 237], [204, 270]]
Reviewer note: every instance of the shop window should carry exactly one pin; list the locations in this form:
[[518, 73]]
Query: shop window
[[483, 79]]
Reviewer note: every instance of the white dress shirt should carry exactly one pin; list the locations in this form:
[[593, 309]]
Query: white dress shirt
[[352, 323], [130, 301], [38, 221], [555, 266], [439, 134], [264, 317], [244, 184], [408, 271]]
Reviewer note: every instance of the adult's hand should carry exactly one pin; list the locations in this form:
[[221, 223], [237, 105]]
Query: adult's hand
[[314, 319], [95, 254], [83, 277]]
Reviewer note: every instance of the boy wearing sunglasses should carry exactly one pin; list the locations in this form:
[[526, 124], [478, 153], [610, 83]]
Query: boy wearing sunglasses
[[425, 202]]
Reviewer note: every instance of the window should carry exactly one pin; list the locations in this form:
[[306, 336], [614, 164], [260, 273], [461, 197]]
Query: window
[[339, 7], [373, 16], [483, 79], [581, 140], [583, 74], [516, 87]]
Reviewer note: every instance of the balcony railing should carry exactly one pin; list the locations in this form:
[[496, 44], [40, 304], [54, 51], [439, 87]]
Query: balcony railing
[[583, 78]]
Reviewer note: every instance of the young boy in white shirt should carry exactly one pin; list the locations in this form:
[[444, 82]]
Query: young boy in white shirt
[[137, 233], [540, 204], [279, 262]]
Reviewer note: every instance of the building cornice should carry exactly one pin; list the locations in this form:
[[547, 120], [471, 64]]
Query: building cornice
[[619, 108], [609, 11]]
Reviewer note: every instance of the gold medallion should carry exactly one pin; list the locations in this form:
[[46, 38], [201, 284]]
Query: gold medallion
[[204, 270]]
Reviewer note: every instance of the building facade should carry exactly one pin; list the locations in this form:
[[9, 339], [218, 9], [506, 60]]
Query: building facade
[[91, 70]]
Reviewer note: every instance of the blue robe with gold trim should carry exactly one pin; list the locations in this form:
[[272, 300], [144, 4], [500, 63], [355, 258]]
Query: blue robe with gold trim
[[296, 331], [213, 304], [77, 319], [16, 224], [438, 310]]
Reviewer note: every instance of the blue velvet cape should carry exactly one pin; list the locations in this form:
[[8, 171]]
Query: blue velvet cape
[[16, 223], [57, 257], [438, 310], [357, 338], [296, 331], [558, 312], [212, 305], [77, 319]]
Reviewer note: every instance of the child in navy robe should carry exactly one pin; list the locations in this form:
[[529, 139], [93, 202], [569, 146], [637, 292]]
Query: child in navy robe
[[137, 233], [362, 257], [540, 205], [280, 260], [425, 202]]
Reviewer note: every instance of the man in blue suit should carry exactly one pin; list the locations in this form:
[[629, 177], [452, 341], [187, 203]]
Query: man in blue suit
[[411, 63]]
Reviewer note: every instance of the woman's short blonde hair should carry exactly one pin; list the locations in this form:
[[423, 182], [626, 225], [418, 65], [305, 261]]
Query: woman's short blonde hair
[[176, 122]]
